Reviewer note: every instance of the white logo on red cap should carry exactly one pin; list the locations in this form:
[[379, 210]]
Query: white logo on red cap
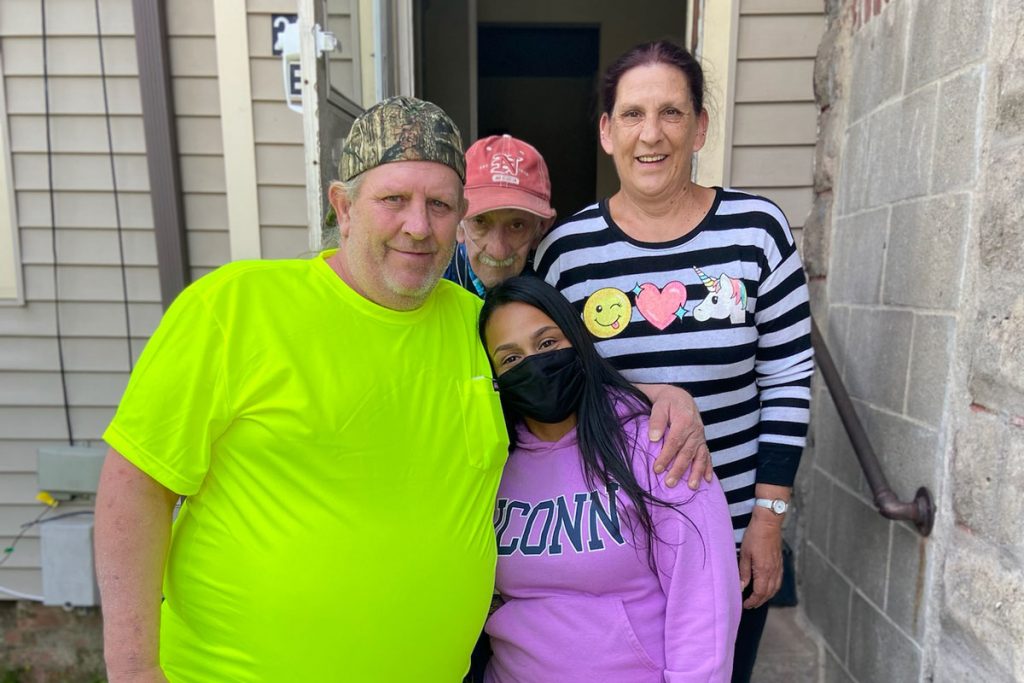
[[505, 167]]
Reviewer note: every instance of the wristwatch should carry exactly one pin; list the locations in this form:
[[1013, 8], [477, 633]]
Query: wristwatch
[[777, 505]]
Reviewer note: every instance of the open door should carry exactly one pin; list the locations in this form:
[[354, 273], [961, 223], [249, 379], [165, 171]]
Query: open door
[[371, 59], [530, 68], [327, 113]]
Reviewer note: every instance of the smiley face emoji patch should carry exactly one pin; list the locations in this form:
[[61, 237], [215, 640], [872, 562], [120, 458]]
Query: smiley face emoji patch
[[607, 312]]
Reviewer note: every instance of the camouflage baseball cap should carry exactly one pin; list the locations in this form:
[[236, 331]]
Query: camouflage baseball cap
[[401, 129]]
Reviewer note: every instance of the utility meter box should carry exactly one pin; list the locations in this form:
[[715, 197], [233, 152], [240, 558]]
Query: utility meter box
[[66, 471], [69, 578]]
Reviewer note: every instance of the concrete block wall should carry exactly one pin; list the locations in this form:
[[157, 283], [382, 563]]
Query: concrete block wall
[[917, 283], [981, 618]]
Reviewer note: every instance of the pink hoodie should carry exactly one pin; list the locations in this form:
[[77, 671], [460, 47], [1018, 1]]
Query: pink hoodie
[[582, 603]]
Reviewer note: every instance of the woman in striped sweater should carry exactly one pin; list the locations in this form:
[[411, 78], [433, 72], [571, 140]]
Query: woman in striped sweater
[[700, 287]]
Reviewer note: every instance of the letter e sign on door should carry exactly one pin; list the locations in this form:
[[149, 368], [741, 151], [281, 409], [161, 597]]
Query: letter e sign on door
[[284, 41]]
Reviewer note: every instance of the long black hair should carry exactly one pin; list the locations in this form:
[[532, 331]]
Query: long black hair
[[605, 445]]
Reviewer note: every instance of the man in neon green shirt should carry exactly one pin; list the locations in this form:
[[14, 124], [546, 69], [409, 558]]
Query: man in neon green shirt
[[334, 430]]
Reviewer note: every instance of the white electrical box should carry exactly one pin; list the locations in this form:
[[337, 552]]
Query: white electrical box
[[69, 576]]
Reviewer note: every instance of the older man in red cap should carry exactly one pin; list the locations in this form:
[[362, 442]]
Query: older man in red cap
[[509, 193]]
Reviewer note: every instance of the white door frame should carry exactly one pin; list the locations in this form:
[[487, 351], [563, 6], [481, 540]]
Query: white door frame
[[718, 34], [329, 110]]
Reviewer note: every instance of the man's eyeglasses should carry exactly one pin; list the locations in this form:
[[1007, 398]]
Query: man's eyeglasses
[[516, 233]]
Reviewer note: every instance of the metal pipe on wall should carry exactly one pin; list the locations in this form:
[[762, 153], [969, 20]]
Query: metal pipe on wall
[[920, 510]]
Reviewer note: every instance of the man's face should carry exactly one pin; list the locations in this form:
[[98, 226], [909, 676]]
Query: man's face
[[398, 233], [498, 242]]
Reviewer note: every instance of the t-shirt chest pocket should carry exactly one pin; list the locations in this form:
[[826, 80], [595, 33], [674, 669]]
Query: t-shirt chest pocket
[[483, 423]]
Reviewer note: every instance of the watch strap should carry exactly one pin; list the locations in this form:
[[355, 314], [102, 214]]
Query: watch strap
[[773, 504]]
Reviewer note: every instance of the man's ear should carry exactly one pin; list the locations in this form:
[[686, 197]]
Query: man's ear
[[545, 225], [460, 234], [338, 198]]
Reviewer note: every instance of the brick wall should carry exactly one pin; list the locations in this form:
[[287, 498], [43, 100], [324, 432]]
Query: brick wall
[[50, 645], [864, 10]]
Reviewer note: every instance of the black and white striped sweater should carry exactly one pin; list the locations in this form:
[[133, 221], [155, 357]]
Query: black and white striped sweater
[[722, 312]]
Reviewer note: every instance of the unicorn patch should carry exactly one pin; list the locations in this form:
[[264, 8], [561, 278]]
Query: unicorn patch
[[727, 298]]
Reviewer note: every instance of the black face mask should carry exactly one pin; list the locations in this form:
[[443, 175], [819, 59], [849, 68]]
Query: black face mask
[[546, 387]]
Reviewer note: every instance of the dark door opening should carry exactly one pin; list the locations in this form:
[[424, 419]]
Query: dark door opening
[[538, 83]]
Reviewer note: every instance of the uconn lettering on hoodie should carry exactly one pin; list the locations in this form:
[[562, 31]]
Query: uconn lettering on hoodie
[[550, 526]]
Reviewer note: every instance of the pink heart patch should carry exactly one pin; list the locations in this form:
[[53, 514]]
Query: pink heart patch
[[661, 306]]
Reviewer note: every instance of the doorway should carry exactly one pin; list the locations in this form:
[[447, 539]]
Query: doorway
[[538, 83], [531, 68]]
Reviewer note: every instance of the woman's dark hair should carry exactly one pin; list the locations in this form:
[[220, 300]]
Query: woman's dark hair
[[605, 447], [659, 52]]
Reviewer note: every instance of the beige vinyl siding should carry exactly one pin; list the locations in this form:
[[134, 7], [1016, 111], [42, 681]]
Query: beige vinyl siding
[[91, 300], [89, 288], [280, 177], [774, 115], [193, 55], [17, 491], [780, 6], [343, 70]]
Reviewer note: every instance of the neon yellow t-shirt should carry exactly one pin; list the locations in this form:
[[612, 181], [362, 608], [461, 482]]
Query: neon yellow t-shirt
[[340, 461]]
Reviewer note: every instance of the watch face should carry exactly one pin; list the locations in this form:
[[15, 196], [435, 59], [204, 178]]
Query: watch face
[[778, 506]]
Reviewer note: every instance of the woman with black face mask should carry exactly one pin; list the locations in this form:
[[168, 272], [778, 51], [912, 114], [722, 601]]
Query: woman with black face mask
[[606, 574]]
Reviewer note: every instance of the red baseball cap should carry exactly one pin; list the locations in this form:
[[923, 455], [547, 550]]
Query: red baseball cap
[[503, 172]]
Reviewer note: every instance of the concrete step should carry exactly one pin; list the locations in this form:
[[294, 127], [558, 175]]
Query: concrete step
[[790, 651]]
